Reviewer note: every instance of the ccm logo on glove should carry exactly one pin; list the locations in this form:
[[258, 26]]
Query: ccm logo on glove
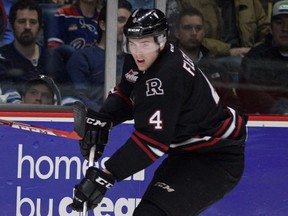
[[95, 122], [103, 182]]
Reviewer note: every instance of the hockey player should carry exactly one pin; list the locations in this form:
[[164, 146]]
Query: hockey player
[[176, 112]]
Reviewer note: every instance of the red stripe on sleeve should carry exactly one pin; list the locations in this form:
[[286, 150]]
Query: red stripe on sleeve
[[143, 147], [240, 121], [152, 141], [202, 145], [223, 127]]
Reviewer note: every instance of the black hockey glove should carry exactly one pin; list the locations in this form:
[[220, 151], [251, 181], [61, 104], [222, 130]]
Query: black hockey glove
[[91, 189], [97, 129]]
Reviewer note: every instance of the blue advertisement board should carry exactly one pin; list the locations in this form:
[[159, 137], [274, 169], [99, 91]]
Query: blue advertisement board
[[38, 174]]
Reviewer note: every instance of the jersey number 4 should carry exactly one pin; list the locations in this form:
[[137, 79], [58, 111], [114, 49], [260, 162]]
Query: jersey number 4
[[156, 120]]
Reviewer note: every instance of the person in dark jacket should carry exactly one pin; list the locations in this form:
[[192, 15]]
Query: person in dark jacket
[[24, 58], [264, 79]]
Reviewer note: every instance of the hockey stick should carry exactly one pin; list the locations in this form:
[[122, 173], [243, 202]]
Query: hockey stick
[[91, 161], [79, 111]]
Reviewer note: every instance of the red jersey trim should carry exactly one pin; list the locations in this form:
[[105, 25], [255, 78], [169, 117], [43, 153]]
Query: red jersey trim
[[144, 148], [152, 141]]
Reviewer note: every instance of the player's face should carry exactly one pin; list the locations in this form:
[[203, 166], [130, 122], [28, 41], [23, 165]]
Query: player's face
[[144, 51], [190, 33], [26, 26], [279, 28], [123, 15], [38, 94]]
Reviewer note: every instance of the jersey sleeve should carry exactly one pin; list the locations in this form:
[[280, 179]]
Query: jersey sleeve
[[56, 35], [136, 154]]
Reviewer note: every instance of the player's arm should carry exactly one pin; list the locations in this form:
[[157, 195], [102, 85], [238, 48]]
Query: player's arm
[[137, 153], [116, 109], [98, 124], [118, 103]]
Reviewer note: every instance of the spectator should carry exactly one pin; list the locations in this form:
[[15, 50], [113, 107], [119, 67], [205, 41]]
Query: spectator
[[87, 66], [75, 25], [38, 90], [232, 28], [190, 33], [23, 59], [264, 79], [41, 90]]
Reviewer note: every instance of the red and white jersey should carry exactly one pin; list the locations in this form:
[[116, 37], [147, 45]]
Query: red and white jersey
[[73, 28]]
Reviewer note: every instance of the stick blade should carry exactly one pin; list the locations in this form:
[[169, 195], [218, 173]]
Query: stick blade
[[79, 110]]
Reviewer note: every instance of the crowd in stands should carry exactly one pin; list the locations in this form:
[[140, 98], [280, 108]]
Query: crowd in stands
[[239, 45]]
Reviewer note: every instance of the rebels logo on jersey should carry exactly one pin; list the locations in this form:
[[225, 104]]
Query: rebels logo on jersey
[[154, 87]]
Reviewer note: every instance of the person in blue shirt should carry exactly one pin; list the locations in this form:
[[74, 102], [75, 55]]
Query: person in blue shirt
[[75, 25], [86, 67]]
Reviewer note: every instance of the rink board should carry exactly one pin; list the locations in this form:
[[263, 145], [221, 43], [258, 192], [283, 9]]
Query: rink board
[[38, 173]]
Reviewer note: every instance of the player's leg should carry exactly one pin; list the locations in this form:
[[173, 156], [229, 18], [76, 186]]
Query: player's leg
[[188, 184]]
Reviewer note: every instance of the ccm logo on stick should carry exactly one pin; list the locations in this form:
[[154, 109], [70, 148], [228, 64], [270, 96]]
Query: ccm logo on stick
[[95, 122]]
